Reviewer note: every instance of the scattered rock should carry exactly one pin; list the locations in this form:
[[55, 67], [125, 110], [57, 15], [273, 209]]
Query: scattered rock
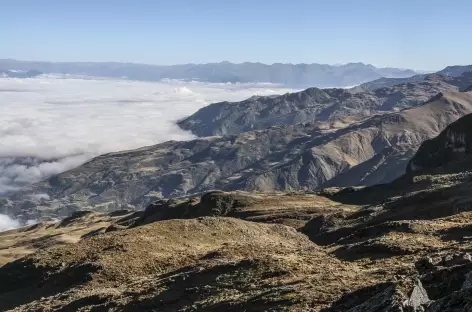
[[418, 297], [427, 264], [431, 264], [216, 203], [390, 300], [468, 281], [458, 301]]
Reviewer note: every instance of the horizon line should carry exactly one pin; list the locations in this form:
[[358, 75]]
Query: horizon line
[[220, 62]]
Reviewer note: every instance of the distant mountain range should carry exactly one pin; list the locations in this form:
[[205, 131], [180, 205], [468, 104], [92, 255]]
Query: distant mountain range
[[19, 73], [293, 75]]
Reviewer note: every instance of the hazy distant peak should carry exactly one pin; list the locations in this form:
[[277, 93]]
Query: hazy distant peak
[[293, 75], [16, 73]]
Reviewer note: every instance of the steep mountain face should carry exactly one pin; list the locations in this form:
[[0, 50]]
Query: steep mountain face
[[294, 75], [388, 82], [262, 112], [451, 151], [455, 70], [462, 72], [296, 157], [331, 106]]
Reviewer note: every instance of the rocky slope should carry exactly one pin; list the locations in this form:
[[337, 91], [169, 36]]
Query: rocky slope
[[388, 82], [207, 264], [298, 157], [456, 70], [451, 72], [405, 249], [327, 106], [449, 152]]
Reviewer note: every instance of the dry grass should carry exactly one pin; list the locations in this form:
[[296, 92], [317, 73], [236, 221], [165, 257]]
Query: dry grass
[[272, 261], [221, 263], [17, 243]]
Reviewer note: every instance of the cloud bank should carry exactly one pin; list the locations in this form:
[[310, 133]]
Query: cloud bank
[[7, 223], [52, 124]]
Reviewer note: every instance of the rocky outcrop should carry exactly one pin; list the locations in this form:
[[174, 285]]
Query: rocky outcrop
[[448, 152], [216, 203], [393, 299]]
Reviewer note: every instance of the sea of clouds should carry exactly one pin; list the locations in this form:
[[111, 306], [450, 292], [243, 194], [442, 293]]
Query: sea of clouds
[[53, 123], [7, 223]]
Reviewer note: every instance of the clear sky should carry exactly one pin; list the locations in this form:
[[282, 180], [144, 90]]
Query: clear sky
[[414, 34]]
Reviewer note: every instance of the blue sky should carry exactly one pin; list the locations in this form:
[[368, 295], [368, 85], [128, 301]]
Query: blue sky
[[415, 34]]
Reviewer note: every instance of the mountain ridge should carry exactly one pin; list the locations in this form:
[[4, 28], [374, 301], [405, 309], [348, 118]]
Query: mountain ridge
[[328, 106], [294, 75], [19, 73], [295, 157], [452, 71]]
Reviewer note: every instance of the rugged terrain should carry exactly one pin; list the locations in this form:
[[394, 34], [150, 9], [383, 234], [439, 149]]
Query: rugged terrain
[[402, 246], [450, 71], [17, 243], [331, 108], [449, 152], [455, 70], [284, 158]]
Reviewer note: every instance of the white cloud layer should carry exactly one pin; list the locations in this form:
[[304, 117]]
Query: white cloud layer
[[52, 124], [7, 223]]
